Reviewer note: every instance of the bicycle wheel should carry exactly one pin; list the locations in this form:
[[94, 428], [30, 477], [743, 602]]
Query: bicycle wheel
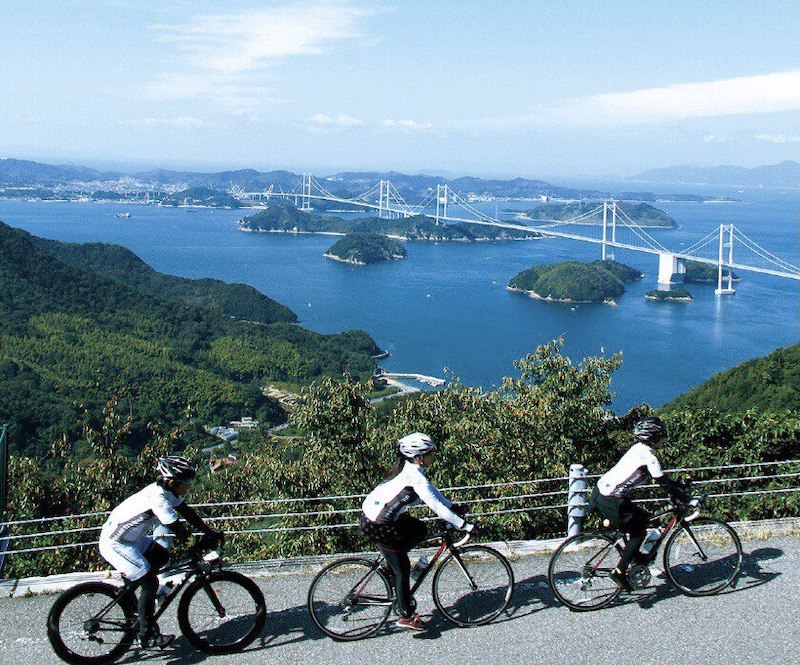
[[473, 585], [346, 602], [222, 613], [78, 637], [703, 557], [579, 572]]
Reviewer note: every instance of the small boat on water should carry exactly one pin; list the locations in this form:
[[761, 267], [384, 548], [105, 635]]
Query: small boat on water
[[123, 214]]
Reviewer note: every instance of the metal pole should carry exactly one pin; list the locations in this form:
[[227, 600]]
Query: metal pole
[[3, 491], [577, 500], [605, 224]]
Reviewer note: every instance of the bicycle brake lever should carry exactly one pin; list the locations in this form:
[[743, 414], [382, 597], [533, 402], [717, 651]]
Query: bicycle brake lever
[[464, 540]]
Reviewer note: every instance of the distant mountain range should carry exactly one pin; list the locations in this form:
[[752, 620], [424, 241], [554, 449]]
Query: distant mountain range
[[23, 173], [785, 174]]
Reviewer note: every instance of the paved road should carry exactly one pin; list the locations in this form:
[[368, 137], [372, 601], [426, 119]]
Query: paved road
[[756, 622]]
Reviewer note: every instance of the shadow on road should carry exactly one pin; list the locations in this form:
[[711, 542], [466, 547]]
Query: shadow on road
[[531, 595]]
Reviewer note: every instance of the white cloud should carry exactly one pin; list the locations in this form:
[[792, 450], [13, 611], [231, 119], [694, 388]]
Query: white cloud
[[226, 57], [777, 138], [180, 121], [338, 120], [767, 93], [716, 138], [408, 124]]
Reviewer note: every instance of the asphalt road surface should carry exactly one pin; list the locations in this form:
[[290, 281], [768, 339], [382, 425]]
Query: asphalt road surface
[[754, 622]]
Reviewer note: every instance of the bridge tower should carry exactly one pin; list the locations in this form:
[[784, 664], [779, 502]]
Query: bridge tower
[[725, 273], [442, 196], [306, 200], [383, 200], [606, 254]]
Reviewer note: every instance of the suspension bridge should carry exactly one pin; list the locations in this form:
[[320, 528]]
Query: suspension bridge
[[726, 248]]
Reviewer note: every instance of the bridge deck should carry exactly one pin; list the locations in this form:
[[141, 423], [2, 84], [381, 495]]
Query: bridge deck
[[754, 623]]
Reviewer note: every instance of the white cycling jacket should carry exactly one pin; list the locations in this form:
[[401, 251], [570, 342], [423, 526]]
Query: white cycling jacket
[[411, 486]]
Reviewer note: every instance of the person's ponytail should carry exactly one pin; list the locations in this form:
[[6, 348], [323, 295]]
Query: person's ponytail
[[397, 468]]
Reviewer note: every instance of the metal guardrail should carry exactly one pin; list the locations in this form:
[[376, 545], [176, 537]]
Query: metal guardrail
[[566, 493]]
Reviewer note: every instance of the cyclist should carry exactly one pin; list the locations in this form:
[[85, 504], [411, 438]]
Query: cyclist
[[126, 542], [386, 523], [610, 495]]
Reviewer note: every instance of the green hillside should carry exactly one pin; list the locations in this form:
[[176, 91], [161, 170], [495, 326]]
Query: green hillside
[[71, 338], [769, 383], [366, 249], [237, 301]]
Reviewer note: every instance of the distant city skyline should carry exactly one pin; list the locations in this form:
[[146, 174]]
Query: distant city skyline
[[534, 89]]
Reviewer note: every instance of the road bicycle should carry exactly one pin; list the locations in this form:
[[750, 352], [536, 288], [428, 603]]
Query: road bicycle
[[220, 612], [352, 598], [702, 557]]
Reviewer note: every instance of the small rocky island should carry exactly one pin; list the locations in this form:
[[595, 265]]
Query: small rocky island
[[575, 282], [671, 295], [643, 214], [362, 249]]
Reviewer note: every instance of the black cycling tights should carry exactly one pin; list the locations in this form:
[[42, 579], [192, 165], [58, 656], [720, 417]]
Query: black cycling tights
[[148, 587], [634, 522], [401, 567]]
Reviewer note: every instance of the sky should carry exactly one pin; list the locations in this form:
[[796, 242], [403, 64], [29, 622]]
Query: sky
[[502, 88]]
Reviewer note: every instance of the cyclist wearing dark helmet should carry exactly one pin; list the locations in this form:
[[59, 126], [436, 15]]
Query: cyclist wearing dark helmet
[[610, 495], [384, 519], [126, 540]]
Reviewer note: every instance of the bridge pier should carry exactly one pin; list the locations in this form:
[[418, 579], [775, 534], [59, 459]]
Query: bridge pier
[[671, 269]]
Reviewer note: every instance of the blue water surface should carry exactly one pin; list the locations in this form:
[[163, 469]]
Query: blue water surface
[[446, 305]]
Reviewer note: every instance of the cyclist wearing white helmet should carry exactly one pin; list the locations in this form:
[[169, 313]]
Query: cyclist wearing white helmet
[[386, 523], [126, 538], [610, 495]]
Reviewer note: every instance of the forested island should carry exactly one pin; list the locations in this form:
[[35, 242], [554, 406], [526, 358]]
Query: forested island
[[84, 324], [668, 295], [361, 249], [643, 214], [575, 282], [702, 273], [283, 218]]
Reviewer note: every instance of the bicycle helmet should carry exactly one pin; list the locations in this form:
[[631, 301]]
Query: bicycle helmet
[[650, 429], [416, 445], [173, 467]]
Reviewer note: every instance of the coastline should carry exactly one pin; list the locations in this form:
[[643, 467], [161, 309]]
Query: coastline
[[566, 301], [248, 229]]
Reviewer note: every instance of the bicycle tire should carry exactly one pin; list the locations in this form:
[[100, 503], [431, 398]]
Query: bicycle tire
[[248, 626], [55, 632], [698, 578], [498, 596], [339, 605], [571, 569]]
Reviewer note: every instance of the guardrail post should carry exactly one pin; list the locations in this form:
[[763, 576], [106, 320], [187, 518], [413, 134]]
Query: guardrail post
[[577, 499], [3, 492]]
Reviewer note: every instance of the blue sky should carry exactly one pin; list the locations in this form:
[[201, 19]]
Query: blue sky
[[505, 88]]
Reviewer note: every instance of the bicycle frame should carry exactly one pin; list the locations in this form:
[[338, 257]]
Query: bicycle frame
[[445, 544], [676, 518], [192, 570]]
